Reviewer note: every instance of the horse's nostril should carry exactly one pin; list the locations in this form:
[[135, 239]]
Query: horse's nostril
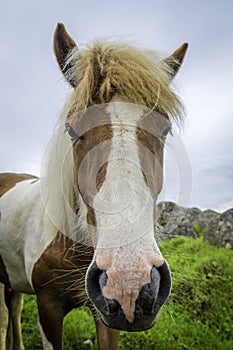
[[102, 278], [165, 283], [95, 282], [147, 302], [113, 306], [149, 292]]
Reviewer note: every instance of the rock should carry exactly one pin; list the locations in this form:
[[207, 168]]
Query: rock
[[206, 217], [174, 221], [163, 212], [228, 246], [160, 232], [219, 231], [184, 228], [193, 215], [167, 211]]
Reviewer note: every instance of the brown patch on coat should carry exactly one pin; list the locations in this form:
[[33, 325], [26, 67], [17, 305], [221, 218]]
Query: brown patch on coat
[[90, 158], [9, 180], [3, 274], [58, 278], [61, 271], [151, 148], [91, 151]]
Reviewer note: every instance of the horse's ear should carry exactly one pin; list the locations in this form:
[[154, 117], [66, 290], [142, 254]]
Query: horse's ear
[[175, 60], [62, 45]]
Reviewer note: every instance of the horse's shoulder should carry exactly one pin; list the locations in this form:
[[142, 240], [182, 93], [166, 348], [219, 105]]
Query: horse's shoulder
[[9, 180]]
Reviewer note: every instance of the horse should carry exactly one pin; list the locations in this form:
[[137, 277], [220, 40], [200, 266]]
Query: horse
[[85, 231]]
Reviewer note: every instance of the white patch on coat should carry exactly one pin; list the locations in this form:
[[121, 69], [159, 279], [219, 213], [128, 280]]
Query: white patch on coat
[[25, 232], [57, 179]]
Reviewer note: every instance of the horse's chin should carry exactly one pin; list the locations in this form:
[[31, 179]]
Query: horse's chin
[[128, 327], [117, 320]]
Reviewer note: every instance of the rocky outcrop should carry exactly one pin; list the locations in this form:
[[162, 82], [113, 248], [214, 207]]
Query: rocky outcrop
[[176, 220], [206, 217], [219, 230]]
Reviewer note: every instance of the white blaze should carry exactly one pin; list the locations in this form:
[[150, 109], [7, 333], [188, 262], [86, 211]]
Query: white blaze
[[124, 203], [124, 209]]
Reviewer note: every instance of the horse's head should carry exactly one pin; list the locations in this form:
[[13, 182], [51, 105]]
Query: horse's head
[[117, 118]]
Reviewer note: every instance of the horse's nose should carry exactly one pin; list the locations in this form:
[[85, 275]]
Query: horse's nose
[[150, 299]]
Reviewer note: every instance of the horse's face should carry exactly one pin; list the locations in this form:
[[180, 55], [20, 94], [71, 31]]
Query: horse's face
[[118, 155]]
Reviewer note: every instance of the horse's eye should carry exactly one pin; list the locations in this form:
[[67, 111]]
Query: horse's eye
[[73, 135], [164, 133]]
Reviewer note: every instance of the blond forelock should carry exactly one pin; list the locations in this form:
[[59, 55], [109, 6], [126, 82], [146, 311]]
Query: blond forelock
[[138, 75]]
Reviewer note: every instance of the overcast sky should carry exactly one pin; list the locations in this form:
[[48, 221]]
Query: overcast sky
[[33, 91]]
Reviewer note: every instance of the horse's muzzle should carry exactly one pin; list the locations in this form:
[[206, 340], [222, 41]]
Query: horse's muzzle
[[151, 297]]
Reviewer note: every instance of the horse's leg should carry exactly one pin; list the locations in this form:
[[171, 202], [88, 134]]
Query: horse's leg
[[3, 318], [51, 315], [107, 338], [15, 305], [46, 344]]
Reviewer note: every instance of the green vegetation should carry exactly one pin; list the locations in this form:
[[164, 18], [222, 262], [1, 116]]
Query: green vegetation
[[198, 229], [198, 315]]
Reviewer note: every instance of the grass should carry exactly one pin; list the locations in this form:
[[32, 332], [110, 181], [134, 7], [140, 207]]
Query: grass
[[198, 315]]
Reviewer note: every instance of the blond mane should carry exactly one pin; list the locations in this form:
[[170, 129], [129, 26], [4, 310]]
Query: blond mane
[[138, 75]]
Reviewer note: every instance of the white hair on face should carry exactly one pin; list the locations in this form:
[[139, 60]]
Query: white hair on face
[[58, 186], [124, 203]]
